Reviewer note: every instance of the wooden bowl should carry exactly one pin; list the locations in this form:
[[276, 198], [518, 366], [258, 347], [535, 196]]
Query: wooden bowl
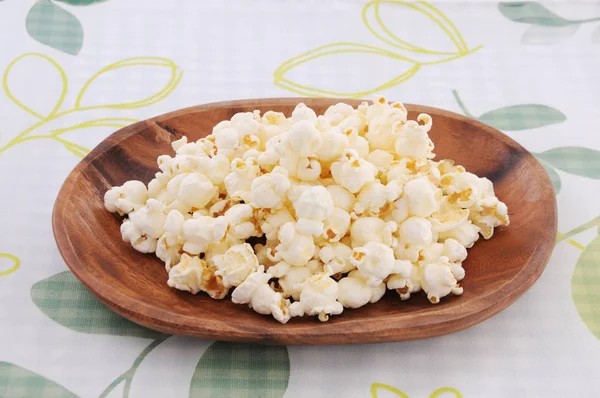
[[135, 285]]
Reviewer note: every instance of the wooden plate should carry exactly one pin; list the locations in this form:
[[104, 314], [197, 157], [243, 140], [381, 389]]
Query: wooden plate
[[135, 285]]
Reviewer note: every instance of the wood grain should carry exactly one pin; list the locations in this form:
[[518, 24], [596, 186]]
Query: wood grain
[[134, 285]]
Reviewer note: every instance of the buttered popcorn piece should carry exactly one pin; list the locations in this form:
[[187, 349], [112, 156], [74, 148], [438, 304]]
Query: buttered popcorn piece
[[240, 219], [345, 205], [352, 172], [438, 280], [318, 296], [294, 247], [236, 264], [194, 275], [268, 191], [200, 232], [127, 198], [375, 261], [312, 207], [354, 291], [256, 292]]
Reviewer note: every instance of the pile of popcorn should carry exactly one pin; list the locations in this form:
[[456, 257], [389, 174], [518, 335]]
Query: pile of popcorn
[[348, 204]]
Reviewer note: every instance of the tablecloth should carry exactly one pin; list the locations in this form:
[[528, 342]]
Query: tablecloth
[[73, 71]]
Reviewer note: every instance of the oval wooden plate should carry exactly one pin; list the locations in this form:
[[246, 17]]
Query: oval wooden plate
[[135, 285]]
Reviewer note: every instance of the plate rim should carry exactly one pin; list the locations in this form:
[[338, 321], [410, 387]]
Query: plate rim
[[141, 312]]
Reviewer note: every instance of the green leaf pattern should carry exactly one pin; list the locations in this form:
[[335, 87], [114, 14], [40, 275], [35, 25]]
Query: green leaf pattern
[[585, 286], [13, 378], [522, 117], [580, 161], [86, 313], [236, 370], [55, 27], [546, 27]]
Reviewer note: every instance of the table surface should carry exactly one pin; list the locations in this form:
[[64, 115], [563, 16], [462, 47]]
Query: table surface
[[76, 70]]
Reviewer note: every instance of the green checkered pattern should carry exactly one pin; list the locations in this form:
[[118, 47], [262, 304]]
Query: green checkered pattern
[[241, 371], [16, 382], [53, 26], [65, 300]]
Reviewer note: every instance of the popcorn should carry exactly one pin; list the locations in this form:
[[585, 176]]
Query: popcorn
[[374, 260], [139, 241], [354, 291], [127, 198], [192, 274], [240, 219], [256, 292], [236, 264], [318, 297], [269, 190], [341, 197], [372, 199], [303, 138], [382, 134], [381, 159], [336, 225], [357, 143], [239, 182], [312, 207], [226, 141], [271, 224], [421, 196], [372, 229], [150, 219], [352, 172], [196, 190], [171, 242], [304, 113], [407, 281], [344, 206], [292, 280], [438, 281], [415, 234], [294, 247], [337, 257], [338, 112], [412, 140], [333, 146], [202, 231]]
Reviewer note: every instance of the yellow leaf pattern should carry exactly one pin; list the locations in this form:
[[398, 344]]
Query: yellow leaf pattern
[[37, 130], [376, 387], [383, 33]]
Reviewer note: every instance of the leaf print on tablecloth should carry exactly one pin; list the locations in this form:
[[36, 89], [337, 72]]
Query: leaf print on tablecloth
[[584, 162], [163, 68], [522, 117], [81, 2], [13, 261], [407, 66], [53, 26], [531, 12], [546, 26], [585, 286], [516, 117], [66, 301], [16, 381], [162, 65], [236, 370], [443, 392], [37, 79], [403, 51]]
